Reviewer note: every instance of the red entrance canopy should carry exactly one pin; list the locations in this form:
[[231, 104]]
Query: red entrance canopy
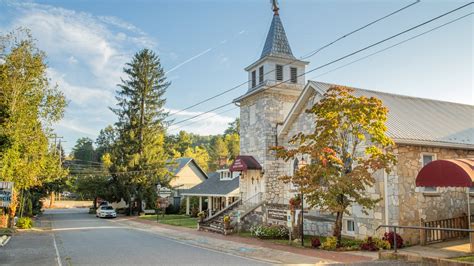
[[447, 173], [244, 163]]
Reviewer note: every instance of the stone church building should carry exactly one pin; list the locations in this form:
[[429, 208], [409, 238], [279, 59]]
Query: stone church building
[[273, 110]]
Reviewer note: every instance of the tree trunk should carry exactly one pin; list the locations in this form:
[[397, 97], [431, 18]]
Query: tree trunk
[[338, 227], [51, 200], [95, 203]]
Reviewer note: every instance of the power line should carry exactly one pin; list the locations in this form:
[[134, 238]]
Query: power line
[[392, 46], [310, 54], [187, 119], [343, 57], [205, 118]]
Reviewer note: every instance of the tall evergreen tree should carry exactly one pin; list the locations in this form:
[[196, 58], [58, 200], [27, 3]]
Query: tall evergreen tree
[[139, 158]]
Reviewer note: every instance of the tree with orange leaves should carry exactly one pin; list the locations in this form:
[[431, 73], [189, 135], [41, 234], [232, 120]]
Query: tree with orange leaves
[[348, 144]]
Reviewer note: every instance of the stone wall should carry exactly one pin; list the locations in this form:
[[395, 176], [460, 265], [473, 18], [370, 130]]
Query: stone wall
[[413, 203], [259, 116]]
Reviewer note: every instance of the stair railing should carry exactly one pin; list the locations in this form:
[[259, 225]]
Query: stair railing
[[235, 203]]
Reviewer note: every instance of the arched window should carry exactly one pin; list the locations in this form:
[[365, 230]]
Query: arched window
[[295, 165]]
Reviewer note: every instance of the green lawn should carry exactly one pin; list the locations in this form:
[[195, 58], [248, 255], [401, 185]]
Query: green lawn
[[465, 259], [173, 219]]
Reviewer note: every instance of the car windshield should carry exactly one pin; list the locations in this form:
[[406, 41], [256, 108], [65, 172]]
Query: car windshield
[[107, 208]]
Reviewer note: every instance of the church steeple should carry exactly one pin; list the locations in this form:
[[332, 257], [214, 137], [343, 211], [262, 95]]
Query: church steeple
[[276, 43]]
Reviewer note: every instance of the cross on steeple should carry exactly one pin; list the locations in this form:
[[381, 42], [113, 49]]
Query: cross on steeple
[[275, 7]]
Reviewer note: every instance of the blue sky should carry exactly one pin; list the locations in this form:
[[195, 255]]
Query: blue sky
[[204, 46]]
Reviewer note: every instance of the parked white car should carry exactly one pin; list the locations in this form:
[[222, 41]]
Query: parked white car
[[106, 212]]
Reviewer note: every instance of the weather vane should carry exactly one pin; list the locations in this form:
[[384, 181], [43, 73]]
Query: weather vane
[[275, 6]]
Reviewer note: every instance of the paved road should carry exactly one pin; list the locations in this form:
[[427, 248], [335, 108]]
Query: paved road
[[79, 239]]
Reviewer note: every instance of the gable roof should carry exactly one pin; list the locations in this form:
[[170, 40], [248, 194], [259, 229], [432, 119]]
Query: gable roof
[[411, 120], [214, 186], [276, 43], [181, 163]]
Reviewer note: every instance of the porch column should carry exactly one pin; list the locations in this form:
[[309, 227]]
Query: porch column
[[226, 201], [200, 204], [209, 205], [187, 205]]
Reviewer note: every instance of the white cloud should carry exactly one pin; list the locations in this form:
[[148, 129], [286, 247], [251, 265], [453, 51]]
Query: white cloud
[[85, 55], [208, 124]]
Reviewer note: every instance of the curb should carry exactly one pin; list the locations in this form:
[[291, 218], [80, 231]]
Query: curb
[[5, 240], [418, 258]]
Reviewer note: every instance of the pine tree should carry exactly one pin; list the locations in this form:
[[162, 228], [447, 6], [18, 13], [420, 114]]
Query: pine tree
[[139, 157]]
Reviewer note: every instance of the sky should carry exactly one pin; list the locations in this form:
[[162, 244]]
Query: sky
[[204, 46]]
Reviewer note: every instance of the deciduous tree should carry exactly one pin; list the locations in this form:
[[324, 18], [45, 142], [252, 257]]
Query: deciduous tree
[[347, 146]]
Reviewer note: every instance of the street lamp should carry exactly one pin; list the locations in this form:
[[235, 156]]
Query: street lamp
[[302, 164]]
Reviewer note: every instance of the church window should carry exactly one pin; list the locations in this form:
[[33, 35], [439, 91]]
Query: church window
[[293, 75], [254, 79], [260, 74], [279, 72]]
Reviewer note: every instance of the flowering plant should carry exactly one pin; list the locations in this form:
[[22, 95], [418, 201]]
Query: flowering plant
[[226, 219], [201, 214], [295, 201]]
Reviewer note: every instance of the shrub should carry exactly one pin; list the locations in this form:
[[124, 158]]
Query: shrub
[[369, 245], [24, 223], [381, 243], [171, 209], [201, 214], [269, 231], [330, 243], [390, 237], [374, 244], [315, 242]]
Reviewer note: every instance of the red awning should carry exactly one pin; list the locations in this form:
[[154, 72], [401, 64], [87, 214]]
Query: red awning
[[447, 173], [244, 163]]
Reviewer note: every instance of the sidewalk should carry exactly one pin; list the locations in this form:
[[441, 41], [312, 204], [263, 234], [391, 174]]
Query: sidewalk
[[247, 247]]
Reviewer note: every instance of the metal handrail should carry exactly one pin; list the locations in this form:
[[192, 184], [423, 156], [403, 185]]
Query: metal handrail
[[258, 196], [222, 211], [418, 228]]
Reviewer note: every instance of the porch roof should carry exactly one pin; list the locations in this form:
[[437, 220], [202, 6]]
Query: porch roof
[[447, 173], [214, 187], [244, 163]]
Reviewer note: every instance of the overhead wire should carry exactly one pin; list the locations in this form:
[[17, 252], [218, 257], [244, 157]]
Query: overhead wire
[[308, 55], [343, 57]]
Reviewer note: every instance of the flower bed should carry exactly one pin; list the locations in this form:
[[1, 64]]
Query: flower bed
[[269, 231]]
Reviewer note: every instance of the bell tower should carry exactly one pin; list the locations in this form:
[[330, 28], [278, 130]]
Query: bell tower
[[276, 80]]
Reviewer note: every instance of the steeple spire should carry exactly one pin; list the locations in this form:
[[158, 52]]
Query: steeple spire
[[276, 43]]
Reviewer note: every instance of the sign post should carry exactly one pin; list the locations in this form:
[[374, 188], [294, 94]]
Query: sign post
[[289, 224]]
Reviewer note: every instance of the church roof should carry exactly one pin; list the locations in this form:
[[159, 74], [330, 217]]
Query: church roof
[[411, 120], [276, 43]]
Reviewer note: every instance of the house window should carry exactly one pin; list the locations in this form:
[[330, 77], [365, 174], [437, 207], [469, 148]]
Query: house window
[[293, 75], [254, 79], [426, 159], [350, 226], [279, 72], [260, 74]]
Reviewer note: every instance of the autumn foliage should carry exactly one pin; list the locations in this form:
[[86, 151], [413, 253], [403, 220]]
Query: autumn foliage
[[347, 145]]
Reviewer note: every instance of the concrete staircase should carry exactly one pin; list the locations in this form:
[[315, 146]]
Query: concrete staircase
[[215, 223]]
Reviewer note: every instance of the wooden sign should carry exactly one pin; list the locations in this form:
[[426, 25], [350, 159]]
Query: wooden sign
[[277, 214]]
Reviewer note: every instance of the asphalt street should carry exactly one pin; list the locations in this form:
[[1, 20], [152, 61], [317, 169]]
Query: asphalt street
[[78, 238]]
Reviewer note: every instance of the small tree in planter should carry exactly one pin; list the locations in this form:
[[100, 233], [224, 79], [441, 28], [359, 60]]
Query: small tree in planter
[[226, 221], [201, 215]]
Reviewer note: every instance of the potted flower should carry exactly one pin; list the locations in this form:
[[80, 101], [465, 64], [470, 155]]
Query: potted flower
[[295, 202], [226, 221], [201, 216]]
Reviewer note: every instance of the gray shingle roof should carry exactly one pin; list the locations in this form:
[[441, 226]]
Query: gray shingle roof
[[179, 164], [423, 121], [276, 43], [214, 186]]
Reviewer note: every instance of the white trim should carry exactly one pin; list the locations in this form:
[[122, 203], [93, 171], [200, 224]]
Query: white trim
[[434, 144], [385, 187], [345, 227], [421, 161]]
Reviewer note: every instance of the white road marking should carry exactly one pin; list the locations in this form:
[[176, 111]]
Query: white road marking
[[58, 258], [86, 228]]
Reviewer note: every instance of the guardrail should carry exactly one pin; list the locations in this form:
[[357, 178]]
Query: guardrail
[[419, 228]]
